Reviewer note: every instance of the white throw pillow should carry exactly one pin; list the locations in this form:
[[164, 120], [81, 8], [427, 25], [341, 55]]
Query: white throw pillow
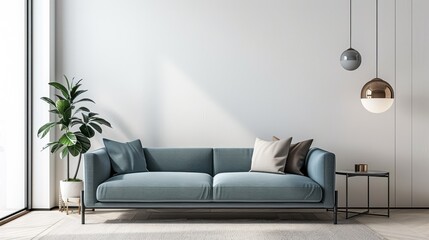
[[270, 156]]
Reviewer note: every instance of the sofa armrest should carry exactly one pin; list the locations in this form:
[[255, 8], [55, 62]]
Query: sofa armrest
[[321, 168], [97, 169]]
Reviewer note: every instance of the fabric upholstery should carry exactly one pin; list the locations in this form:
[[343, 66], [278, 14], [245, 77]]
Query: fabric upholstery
[[97, 168], [156, 187], [265, 187], [126, 157], [296, 158], [180, 159], [232, 159], [321, 168], [270, 156]]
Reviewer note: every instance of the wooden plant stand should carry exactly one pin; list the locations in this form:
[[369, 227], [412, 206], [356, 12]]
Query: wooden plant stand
[[72, 202]]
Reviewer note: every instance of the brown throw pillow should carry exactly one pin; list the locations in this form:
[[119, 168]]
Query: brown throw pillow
[[296, 157]]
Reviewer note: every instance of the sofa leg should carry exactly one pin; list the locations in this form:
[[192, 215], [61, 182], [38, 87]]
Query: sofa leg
[[83, 206], [335, 210]]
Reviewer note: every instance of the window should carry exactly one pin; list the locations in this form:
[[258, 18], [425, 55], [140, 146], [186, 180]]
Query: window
[[13, 97]]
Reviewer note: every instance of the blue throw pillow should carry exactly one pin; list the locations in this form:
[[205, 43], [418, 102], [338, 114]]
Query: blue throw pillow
[[126, 157]]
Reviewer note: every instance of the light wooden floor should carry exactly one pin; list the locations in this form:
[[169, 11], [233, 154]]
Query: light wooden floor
[[403, 224]]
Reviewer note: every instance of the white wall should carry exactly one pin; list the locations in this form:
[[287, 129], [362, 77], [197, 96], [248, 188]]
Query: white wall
[[43, 163], [420, 103], [220, 73]]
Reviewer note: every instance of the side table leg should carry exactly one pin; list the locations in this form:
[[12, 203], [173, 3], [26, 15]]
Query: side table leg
[[335, 207], [388, 195], [347, 196], [367, 209]]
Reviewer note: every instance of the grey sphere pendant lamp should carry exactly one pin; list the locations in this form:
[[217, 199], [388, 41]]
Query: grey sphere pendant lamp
[[350, 59], [377, 94]]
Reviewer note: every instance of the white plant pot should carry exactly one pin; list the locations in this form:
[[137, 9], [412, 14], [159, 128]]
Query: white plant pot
[[70, 189]]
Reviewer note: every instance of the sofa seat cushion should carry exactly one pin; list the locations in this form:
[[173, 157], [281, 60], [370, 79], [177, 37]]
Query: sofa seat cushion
[[264, 187], [156, 187]]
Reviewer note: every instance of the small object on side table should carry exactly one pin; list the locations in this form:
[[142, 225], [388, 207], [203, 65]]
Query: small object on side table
[[361, 167], [367, 174]]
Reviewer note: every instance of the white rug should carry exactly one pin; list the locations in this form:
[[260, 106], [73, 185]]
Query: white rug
[[224, 226]]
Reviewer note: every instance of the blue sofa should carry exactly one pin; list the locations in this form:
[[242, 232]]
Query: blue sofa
[[207, 178]]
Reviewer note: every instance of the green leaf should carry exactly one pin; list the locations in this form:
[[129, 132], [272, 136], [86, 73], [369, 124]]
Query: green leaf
[[54, 111], [85, 118], [75, 88], [87, 131], [75, 119], [78, 82], [83, 109], [76, 94], [60, 87], [75, 122], [68, 83], [67, 115], [65, 110], [43, 130], [102, 121], [84, 141], [64, 125], [96, 127], [68, 139], [91, 115], [48, 100], [85, 100], [75, 149], [64, 153], [49, 145], [59, 97], [62, 106], [56, 147]]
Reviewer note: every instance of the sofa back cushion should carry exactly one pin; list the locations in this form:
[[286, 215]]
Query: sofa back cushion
[[180, 159], [232, 159]]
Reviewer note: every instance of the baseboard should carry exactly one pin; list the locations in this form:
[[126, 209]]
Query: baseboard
[[14, 216], [43, 209]]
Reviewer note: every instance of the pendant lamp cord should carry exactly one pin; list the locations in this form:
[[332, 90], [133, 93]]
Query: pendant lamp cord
[[350, 22], [376, 38]]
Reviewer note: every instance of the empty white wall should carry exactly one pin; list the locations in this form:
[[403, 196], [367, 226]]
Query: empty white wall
[[420, 103], [43, 188], [403, 104], [220, 73]]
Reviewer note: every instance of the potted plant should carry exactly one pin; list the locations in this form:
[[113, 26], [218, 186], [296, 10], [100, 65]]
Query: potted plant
[[75, 125]]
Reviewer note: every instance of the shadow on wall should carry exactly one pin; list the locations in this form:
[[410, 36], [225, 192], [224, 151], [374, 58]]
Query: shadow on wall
[[240, 77], [221, 74]]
